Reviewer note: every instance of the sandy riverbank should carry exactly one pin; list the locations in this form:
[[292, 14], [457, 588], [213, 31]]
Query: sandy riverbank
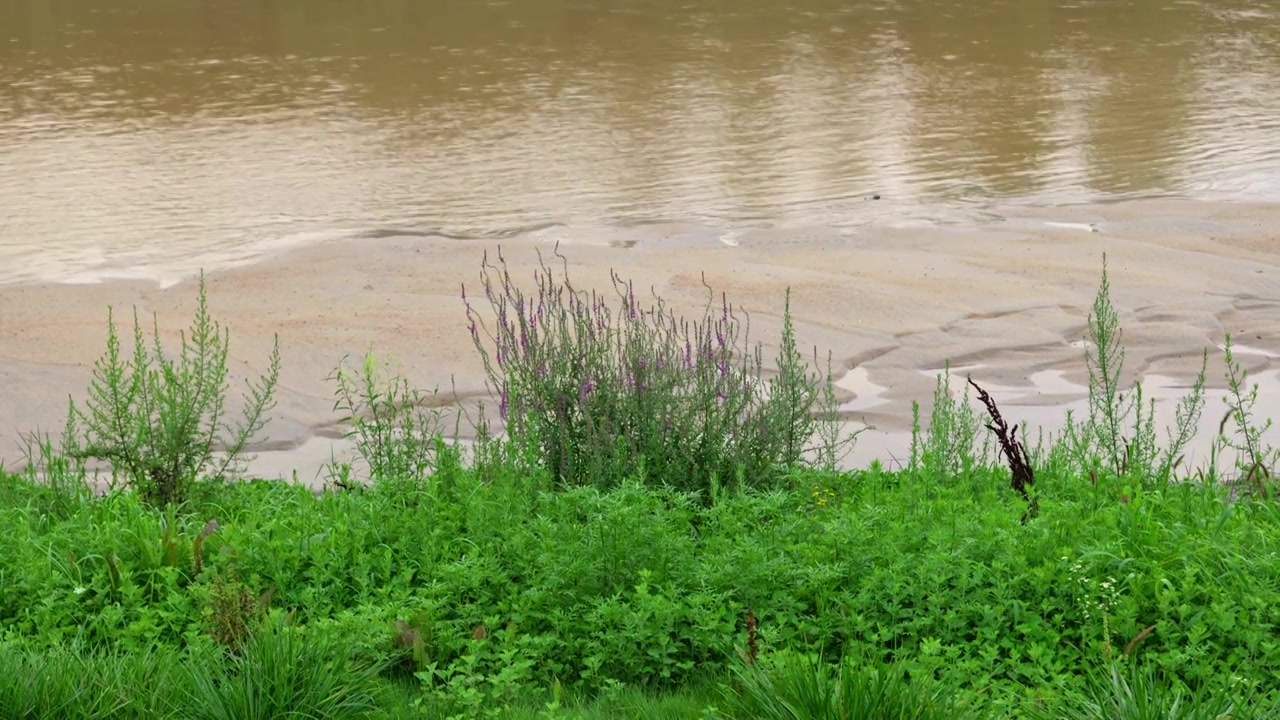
[[1009, 299]]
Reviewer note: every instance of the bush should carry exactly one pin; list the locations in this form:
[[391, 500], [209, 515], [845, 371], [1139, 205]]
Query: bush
[[601, 390], [160, 421]]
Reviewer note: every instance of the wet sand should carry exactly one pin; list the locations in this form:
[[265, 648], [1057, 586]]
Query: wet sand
[[1006, 302]]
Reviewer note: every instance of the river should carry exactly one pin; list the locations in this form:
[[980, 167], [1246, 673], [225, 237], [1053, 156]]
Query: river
[[148, 138]]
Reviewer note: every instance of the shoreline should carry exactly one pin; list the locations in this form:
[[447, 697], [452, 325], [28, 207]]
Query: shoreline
[[892, 305]]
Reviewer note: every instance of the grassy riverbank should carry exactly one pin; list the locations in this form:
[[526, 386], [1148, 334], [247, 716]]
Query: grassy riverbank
[[662, 533]]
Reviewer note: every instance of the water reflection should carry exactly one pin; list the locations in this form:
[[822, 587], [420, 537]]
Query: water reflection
[[137, 131]]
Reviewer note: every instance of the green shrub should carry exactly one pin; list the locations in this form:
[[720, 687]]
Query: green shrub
[[601, 389], [160, 421]]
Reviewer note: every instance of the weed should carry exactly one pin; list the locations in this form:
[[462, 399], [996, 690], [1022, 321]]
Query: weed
[[949, 448], [160, 421], [796, 687], [1102, 442], [1256, 460], [235, 612], [64, 476], [834, 443], [395, 427], [1104, 357], [1186, 420], [1130, 691], [281, 673], [595, 388], [793, 392]]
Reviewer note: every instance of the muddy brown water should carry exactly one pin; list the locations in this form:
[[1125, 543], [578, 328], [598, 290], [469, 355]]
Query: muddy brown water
[[147, 137], [886, 159]]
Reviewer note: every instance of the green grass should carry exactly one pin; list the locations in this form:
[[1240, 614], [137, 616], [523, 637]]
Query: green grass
[[567, 572], [498, 592]]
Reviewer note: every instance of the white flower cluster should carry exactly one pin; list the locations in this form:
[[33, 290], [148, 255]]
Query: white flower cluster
[[1096, 598]]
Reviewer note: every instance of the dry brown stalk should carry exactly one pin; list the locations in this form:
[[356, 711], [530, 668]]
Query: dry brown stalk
[[1128, 649], [1023, 476]]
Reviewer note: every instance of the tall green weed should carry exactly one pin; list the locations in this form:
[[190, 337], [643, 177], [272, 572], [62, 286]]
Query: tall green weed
[[396, 428], [1119, 435], [160, 421]]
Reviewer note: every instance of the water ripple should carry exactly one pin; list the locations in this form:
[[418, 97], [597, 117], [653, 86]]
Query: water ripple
[[157, 140]]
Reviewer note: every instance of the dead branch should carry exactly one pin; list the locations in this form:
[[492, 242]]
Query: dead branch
[[1014, 452]]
